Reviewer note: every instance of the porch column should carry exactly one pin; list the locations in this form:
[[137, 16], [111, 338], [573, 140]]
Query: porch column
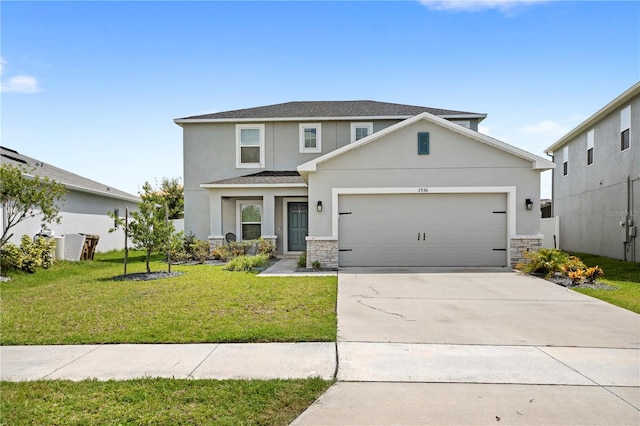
[[268, 215], [216, 239], [269, 218]]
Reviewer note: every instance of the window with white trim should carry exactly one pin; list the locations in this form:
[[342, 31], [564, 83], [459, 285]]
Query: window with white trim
[[250, 146], [310, 138], [625, 125], [249, 219], [590, 140], [565, 160], [360, 130]]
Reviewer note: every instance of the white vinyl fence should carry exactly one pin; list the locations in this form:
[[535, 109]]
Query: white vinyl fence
[[550, 228]]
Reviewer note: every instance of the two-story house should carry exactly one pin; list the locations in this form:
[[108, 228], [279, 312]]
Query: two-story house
[[596, 185], [361, 183]]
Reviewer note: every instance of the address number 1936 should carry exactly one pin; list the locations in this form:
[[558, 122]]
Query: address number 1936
[[423, 189]]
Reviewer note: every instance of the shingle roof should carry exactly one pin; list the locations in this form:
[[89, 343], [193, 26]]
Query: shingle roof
[[71, 180], [333, 109], [264, 178]]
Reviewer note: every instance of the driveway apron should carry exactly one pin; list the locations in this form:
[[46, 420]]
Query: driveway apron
[[477, 346]]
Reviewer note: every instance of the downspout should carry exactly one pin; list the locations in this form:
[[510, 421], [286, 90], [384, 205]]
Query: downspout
[[627, 220]]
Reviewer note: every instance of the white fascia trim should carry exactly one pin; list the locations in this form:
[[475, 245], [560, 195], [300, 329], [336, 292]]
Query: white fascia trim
[[509, 191], [461, 116], [259, 185], [181, 121]]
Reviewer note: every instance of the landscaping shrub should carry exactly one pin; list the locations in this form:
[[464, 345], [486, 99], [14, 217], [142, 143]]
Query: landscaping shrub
[[302, 260], [30, 256], [188, 248], [247, 263], [593, 273], [545, 262], [549, 262], [227, 252], [315, 265]]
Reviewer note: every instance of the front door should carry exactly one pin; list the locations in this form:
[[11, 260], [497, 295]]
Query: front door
[[298, 221]]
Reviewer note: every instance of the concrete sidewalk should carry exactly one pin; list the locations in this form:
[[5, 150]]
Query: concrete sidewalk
[[194, 361]]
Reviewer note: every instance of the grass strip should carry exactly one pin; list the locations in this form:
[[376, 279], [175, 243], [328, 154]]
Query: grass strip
[[625, 276], [157, 401]]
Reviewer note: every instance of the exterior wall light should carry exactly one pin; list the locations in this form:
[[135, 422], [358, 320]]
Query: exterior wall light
[[529, 204], [319, 207]]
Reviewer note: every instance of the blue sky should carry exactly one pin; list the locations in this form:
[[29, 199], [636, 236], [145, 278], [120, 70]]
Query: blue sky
[[93, 87]]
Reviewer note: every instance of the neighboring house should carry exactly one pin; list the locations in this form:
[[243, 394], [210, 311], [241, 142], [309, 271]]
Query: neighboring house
[[83, 209], [596, 186], [362, 183]]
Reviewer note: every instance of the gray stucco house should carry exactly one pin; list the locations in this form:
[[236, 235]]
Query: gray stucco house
[[596, 185], [84, 207], [362, 183]]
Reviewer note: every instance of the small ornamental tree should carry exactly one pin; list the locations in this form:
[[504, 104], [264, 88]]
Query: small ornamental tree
[[148, 228], [25, 195]]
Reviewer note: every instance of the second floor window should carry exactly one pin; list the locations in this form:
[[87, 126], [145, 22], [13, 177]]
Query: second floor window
[[625, 125], [565, 160], [310, 138], [590, 140], [250, 145], [360, 130]]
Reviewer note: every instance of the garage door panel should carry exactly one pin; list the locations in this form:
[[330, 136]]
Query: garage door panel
[[423, 230]]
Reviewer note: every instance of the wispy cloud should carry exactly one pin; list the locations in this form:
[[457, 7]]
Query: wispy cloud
[[551, 128], [477, 5], [17, 83]]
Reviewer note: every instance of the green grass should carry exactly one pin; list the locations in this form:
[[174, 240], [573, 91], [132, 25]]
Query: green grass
[[625, 276], [157, 401], [78, 303]]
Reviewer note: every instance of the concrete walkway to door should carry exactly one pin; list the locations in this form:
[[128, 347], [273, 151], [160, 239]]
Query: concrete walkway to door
[[477, 346]]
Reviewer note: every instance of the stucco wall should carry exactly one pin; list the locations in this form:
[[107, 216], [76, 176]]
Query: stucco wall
[[210, 155], [591, 200], [82, 213], [454, 161]]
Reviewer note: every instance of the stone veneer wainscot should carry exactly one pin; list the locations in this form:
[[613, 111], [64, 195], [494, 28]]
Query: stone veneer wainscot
[[324, 250], [521, 244]]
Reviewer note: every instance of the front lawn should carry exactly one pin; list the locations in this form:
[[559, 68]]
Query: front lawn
[[78, 303], [158, 401], [625, 276]]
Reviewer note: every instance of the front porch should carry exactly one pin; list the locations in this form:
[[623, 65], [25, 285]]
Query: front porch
[[268, 205]]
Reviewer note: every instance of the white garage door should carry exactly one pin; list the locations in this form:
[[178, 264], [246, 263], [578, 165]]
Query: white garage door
[[423, 230]]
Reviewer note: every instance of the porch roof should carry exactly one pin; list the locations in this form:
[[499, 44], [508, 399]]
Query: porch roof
[[260, 179]]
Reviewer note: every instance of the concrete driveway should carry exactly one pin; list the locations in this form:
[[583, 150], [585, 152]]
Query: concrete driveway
[[477, 346]]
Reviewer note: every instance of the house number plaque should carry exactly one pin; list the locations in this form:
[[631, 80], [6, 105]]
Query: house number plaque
[[423, 189]]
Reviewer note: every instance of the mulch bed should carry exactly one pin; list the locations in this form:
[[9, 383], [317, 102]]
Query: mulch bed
[[146, 276], [566, 282]]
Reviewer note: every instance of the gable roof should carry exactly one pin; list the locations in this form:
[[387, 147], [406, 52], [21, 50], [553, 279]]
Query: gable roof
[[326, 110], [68, 179], [538, 163], [618, 102]]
